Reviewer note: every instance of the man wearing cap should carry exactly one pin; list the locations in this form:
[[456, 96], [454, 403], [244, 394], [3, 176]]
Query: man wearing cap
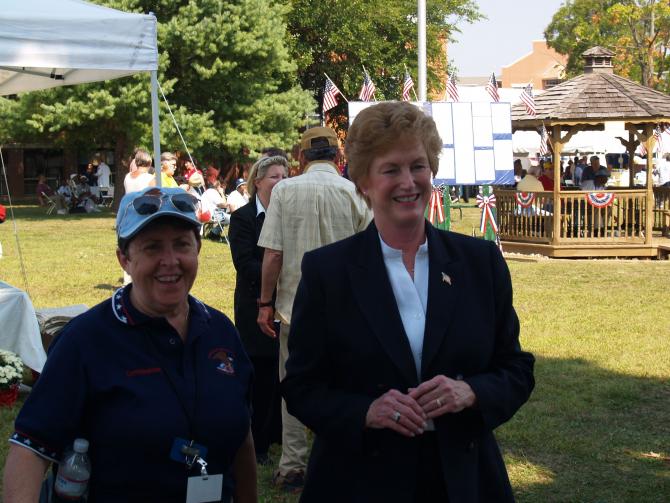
[[238, 197], [306, 212]]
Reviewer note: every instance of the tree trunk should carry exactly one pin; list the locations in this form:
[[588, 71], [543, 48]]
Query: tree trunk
[[121, 157]]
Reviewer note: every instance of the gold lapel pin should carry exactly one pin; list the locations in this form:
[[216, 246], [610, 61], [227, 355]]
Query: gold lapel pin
[[446, 279]]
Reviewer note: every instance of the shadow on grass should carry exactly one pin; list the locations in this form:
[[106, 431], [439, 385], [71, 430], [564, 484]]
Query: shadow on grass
[[106, 286], [590, 434], [38, 214]]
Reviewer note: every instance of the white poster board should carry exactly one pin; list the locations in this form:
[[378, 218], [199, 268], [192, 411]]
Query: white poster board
[[476, 140]]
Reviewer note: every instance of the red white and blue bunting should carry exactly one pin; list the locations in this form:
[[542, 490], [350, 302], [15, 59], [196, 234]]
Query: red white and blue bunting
[[435, 207], [487, 204], [525, 199], [600, 199]]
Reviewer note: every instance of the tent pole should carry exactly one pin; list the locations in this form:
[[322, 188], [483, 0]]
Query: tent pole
[[155, 126]]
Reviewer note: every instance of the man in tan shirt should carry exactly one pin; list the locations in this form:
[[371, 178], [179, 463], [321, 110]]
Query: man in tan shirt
[[306, 212]]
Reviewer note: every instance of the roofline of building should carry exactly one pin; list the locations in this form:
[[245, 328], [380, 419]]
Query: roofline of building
[[529, 54], [591, 124]]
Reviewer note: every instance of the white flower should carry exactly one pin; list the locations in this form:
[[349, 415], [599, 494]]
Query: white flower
[[11, 369]]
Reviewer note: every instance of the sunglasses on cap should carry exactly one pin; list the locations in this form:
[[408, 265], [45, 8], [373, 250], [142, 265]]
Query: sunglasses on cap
[[152, 201]]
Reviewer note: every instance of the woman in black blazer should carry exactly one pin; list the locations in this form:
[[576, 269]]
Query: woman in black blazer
[[404, 345], [245, 227]]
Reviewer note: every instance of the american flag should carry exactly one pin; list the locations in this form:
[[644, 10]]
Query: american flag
[[368, 88], [492, 88], [330, 93], [528, 100], [544, 148], [641, 150], [407, 86], [452, 90]]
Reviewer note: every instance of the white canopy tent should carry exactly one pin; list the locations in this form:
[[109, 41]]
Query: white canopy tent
[[51, 43]]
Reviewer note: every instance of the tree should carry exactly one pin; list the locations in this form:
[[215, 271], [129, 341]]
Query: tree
[[224, 66], [341, 37], [637, 30]]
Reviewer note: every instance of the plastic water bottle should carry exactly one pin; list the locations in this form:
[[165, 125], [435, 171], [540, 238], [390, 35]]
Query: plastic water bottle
[[73, 473]]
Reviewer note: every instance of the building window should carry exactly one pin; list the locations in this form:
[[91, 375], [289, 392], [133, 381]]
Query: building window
[[41, 161]]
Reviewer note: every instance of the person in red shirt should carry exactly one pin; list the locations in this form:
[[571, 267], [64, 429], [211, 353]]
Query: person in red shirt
[[547, 178]]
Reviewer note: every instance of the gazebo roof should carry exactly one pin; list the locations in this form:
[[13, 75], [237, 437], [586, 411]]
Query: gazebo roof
[[595, 97]]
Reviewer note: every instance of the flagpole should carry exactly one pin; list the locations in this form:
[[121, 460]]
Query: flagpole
[[413, 90], [328, 77], [422, 48]]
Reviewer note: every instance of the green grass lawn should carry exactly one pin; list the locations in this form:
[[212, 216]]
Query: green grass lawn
[[597, 427]]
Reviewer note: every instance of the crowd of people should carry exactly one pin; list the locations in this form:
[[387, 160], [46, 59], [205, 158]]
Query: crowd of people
[[395, 343], [584, 173], [76, 192]]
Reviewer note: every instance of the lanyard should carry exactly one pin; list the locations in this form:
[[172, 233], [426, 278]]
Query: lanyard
[[189, 415]]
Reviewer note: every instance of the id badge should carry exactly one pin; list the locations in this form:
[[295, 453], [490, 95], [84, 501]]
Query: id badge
[[203, 489], [185, 452]]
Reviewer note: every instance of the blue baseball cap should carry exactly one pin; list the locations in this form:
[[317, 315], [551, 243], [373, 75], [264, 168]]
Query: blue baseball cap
[[240, 181], [137, 209]]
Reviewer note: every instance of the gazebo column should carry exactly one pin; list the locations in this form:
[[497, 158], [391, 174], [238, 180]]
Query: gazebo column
[[631, 146], [649, 143], [557, 148]]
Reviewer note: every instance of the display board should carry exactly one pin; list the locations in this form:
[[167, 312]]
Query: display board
[[476, 141]]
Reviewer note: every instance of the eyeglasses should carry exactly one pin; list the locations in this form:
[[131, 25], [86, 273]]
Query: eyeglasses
[[152, 201]]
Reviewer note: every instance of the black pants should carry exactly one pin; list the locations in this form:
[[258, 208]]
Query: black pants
[[430, 485], [266, 403]]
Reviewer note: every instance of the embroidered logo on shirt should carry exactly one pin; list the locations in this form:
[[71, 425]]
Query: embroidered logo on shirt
[[226, 360]]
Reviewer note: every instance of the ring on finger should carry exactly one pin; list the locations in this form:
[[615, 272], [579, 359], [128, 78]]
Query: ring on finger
[[396, 416], [438, 402]]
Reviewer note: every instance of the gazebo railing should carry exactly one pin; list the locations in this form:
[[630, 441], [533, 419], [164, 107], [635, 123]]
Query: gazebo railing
[[623, 220], [662, 208], [530, 221], [531, 218]]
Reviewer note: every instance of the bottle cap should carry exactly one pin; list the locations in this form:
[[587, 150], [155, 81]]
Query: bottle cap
[[80, 445]]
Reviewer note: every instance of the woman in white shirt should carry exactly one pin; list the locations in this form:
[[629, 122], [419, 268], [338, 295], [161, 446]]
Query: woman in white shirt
[[140, 178]]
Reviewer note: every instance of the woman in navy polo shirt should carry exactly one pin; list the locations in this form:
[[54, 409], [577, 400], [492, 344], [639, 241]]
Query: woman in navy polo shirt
[[154, 379]]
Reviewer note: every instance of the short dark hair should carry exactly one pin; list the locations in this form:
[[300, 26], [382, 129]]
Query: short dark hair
[[320, 154], [273, 152], [178, 223]]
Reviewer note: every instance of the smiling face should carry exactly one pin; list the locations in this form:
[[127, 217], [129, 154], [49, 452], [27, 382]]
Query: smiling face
[[264, 186], [398, 185], [163, 262]]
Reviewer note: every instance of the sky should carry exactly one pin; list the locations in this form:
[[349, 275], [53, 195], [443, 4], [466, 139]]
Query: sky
[[486, 46]]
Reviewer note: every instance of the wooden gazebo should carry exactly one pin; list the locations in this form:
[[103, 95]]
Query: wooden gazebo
[[572, 223]]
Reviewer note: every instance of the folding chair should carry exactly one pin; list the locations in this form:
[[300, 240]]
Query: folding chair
[[51, 204], [222, 227], [107, 196]]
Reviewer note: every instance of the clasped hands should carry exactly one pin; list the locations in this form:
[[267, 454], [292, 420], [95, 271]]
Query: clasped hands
[[407, 413]]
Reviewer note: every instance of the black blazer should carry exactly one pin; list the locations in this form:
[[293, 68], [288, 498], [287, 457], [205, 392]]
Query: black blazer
[[245, 228], [347, 346]]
